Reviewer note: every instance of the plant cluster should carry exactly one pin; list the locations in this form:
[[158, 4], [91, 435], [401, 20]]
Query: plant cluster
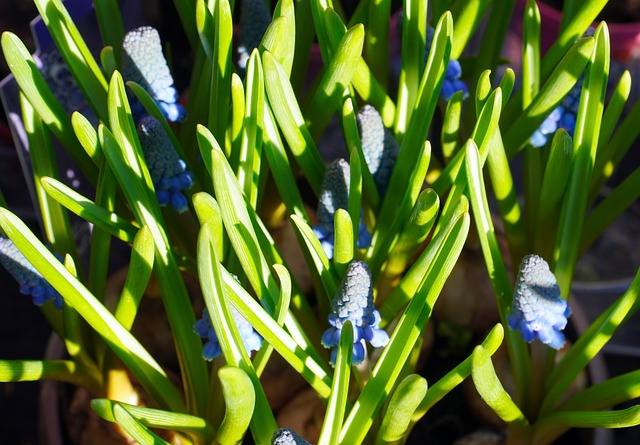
[[195, 186]]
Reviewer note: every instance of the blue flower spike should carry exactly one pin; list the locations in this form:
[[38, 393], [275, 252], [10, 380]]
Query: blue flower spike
[[334, 195], [203, 327], [254, 21], [378, 145], [452, 83], [285, 436], [144, 63], [169, 173], [30, 281], [354, 302], [538, 311], [563, 116]]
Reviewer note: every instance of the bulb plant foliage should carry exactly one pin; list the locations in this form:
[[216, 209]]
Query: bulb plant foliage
[[194, 182]]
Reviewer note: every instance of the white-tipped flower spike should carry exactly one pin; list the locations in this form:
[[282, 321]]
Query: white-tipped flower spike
[[334, 195], [144, 63], [254, 21], [30, 281], [538, 311], [285, 436], [378, 145], [563, 116], [452, 83], [168, 172], [250, 338], [354, 302]]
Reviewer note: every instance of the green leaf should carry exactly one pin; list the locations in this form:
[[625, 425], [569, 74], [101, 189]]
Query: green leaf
[[496, 268], [315, 255], [412, 279], [138, 274], [406, 333], [377, 39], [135, 428], [589, 344], [530, 53], [111, 26], [155, 418], [456, 376], [339, 388], [364, 82], [547, 429], [283, 102], [344, 241], [122, 150], [492, 392], [60, 370], [585, 144], [37, 92], [127, 347], [404, 401], [413, 42], [76, 53], [251, 145], [239, 397], [294, 353], [89, 211], [221, 71], [335, 80], [209, 271]]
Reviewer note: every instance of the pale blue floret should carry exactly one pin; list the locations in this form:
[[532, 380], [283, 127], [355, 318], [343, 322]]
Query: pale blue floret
[[168, 172], [379, 147], [563, 116], [354, 302], [30, 281], [538, 311], [144, 63], [334, 195], [285, 436], [203, 327], [452, 83], [254, 21]]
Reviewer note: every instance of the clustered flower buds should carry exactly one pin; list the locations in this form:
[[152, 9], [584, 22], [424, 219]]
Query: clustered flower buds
[[30, 280], [379, 147], [354, 302], [563, 116], [538, 311], [144, 64], [333, 196], [168, 171], [285, 436], [203, 327]]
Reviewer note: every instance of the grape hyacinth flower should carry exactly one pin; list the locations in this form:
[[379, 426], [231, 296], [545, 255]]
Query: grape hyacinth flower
[[285, 436], [354, 302], [254, 21], [144, 63], [169, 173], [563, 116], [203, 327], [538, 311], [334, 195], [378, 145], [452, 83], [30, 281]]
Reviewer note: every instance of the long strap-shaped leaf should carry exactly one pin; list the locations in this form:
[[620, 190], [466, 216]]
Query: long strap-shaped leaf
[[401, 343], [76, 54], [209, 269], [122, 150], [125, 345]]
